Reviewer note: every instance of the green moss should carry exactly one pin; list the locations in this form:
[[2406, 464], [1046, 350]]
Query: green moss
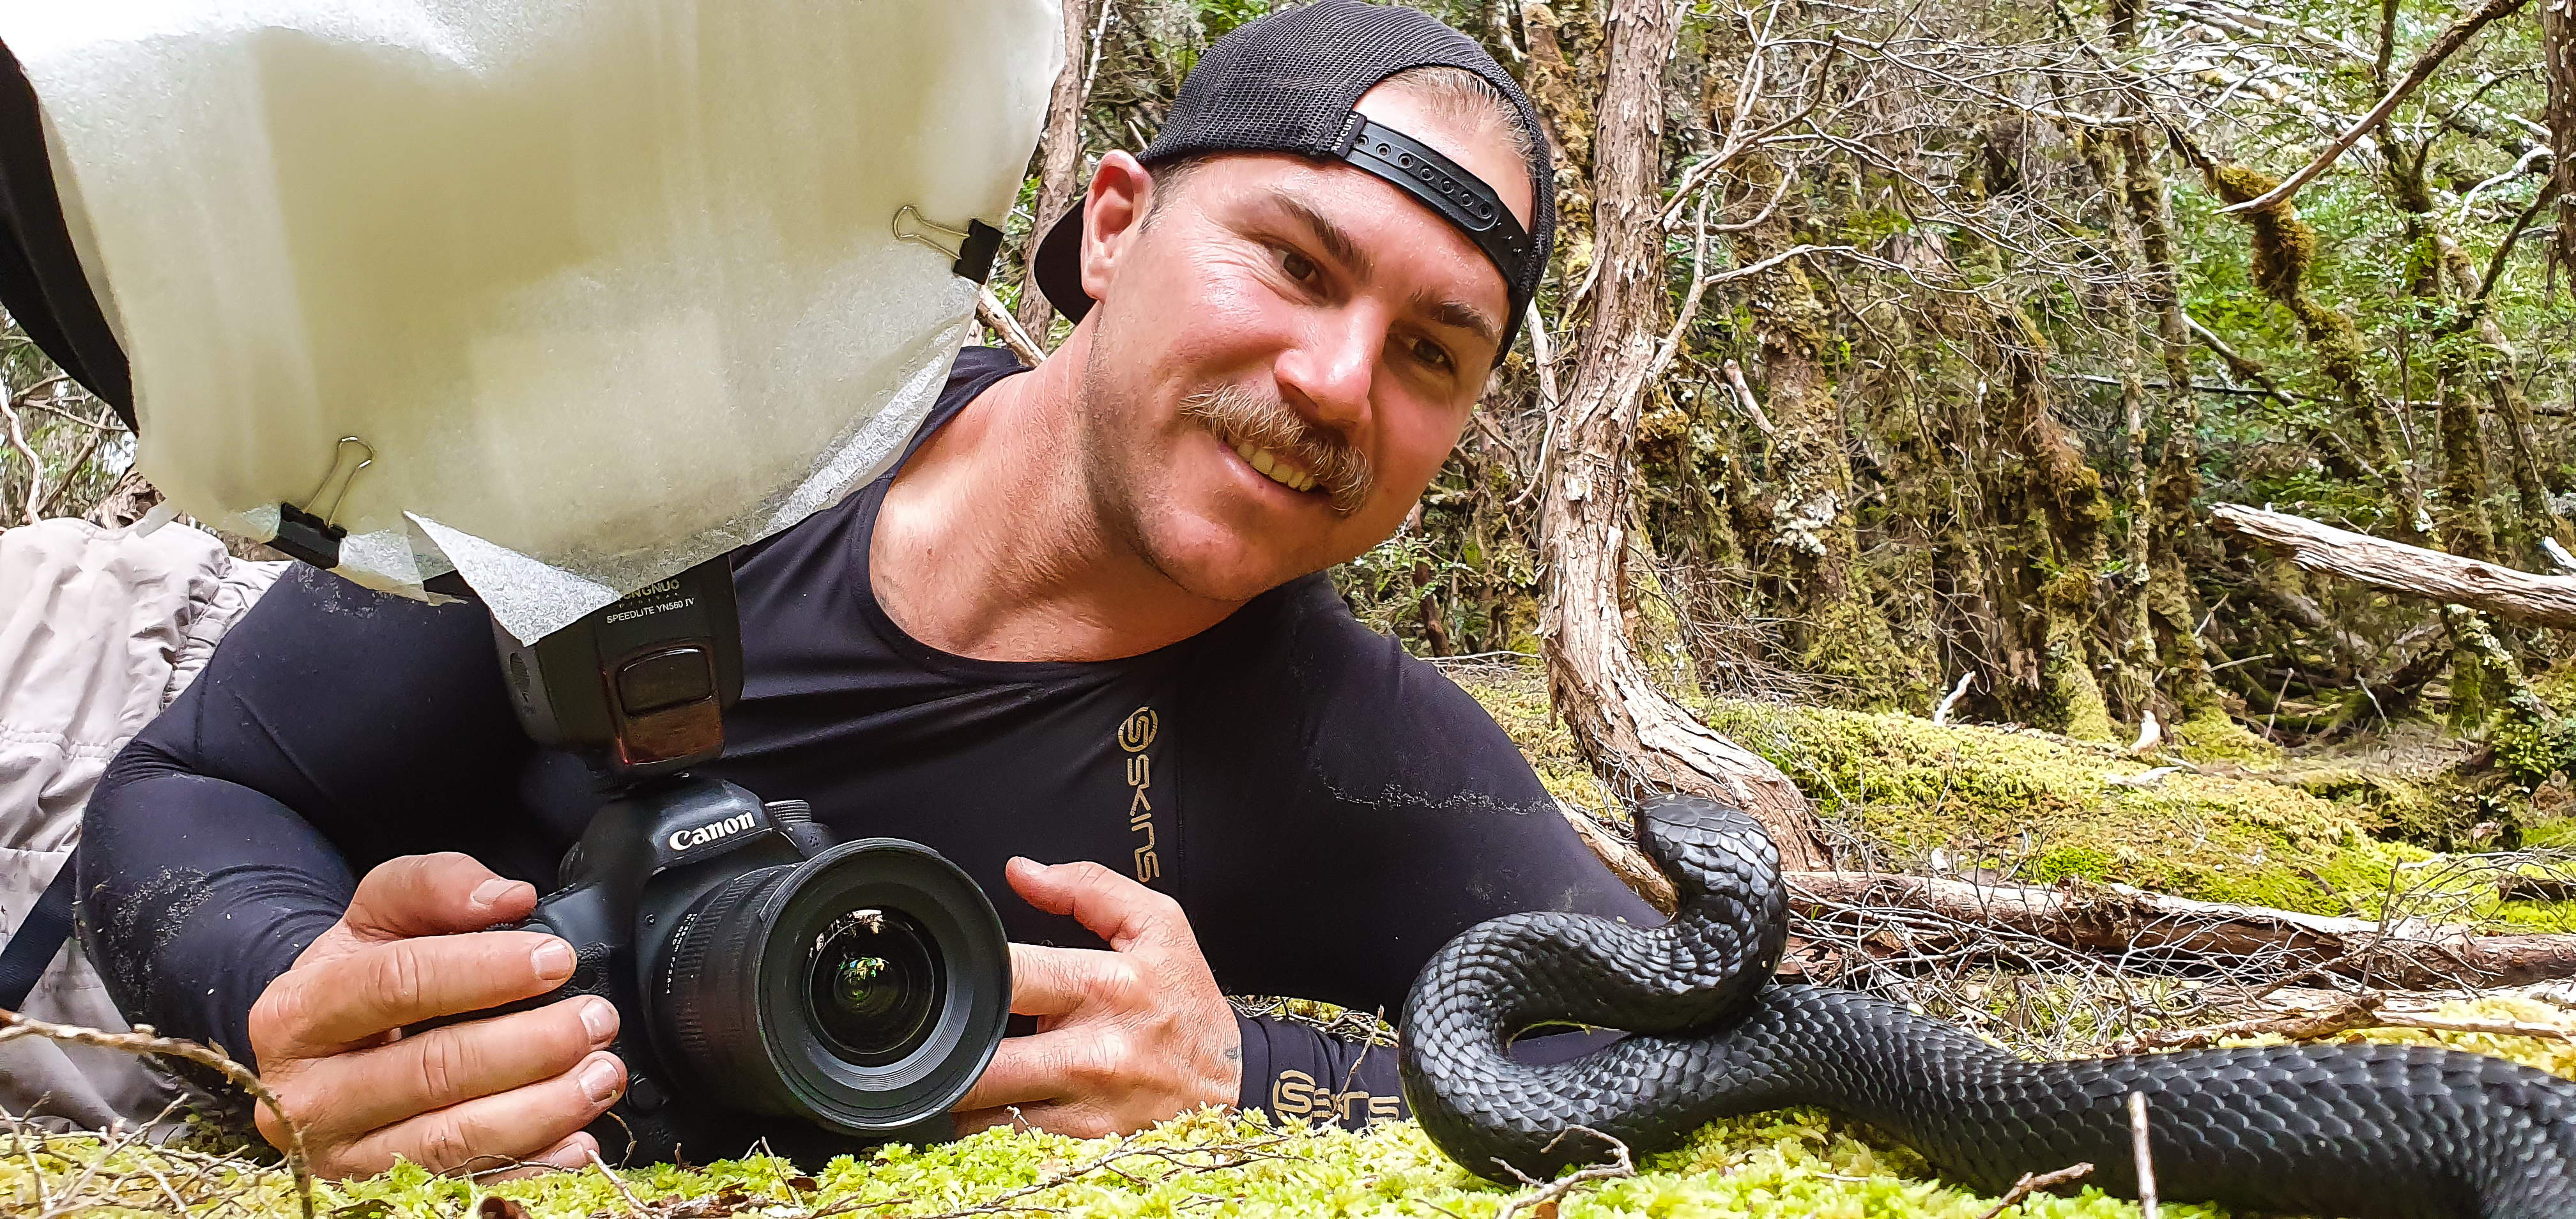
[[1204, 1165], [2558, 833], [2085, 862], [2211, 735], [1207, 1165]]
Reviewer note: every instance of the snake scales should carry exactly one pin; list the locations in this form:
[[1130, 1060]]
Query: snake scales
[[2361, 1132]]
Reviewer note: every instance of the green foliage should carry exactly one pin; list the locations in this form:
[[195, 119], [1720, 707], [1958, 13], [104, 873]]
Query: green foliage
[[1206, 1165]]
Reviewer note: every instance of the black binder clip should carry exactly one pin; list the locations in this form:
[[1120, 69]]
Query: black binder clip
[[976, 247], [314, 538]]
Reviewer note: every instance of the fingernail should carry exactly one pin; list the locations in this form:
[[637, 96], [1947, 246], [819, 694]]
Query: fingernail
[[599, 1019], [490, 892], [599, 1081], [553, 960]]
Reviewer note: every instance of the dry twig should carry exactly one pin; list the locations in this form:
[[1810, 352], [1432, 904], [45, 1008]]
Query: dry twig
[[143, 1041], [2032, 1183], [1544, 1201], [2146, 1160]]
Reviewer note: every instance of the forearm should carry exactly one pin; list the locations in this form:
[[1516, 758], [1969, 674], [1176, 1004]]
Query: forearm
[[1295, 1070], [196, 894]]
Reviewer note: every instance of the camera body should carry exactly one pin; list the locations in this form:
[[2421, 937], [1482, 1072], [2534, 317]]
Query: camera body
[[772, 986]]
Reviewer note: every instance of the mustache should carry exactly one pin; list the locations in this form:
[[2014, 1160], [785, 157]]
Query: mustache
[[1239, 416]]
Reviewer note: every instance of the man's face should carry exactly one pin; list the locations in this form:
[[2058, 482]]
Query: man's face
[[1282, 358]]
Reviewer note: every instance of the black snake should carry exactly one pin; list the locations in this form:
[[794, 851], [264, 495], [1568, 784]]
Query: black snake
[[2361, 1132]]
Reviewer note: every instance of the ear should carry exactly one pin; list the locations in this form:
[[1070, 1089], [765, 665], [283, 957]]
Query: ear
[[1113, 213]]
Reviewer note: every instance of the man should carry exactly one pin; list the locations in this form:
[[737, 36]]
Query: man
[[1082, 621]]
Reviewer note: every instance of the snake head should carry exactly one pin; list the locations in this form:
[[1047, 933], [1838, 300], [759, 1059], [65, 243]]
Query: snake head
[[1708, 848]]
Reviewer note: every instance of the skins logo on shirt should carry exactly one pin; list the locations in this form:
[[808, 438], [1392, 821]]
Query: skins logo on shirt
[[1296, 1094], [1135, 734]]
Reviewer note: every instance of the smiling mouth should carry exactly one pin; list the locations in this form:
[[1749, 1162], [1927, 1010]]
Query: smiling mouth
[[1272, 467]]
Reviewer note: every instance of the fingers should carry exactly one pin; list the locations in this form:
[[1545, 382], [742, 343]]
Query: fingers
[[1077, 1121], [523, 1123], [1058, 981], [1060, 1065], [571, 1155], [325, 1005], [446, 1066], [1116, 908], [438, 894]]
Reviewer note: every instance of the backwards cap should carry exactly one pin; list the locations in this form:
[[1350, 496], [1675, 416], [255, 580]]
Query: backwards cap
[[1287, 82]]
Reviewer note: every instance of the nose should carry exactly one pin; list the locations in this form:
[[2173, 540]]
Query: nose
[[1326, 375]]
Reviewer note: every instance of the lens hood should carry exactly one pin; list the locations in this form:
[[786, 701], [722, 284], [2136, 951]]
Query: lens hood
[[909, 1005]]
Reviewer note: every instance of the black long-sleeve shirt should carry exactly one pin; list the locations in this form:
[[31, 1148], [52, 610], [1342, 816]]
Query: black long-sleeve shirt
[[1325, 808]]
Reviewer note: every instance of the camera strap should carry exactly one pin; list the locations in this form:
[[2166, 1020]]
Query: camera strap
[[23, 961]]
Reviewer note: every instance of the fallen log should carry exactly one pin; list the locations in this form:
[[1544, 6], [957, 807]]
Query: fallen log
[[2351, 1013], [2119, 919], [2411, 570]]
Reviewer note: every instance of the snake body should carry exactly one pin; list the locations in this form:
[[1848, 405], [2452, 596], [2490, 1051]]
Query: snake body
[[2359, 1132]]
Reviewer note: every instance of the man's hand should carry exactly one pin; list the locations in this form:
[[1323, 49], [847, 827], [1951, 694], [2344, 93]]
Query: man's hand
[[1125, 1038], [467, 1097]]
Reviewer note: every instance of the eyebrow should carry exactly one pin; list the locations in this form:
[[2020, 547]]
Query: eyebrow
[[1334, 238], [1461, 315], [1338, 244]]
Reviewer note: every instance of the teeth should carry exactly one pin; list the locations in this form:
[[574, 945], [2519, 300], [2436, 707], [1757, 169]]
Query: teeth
[[1278, 471]]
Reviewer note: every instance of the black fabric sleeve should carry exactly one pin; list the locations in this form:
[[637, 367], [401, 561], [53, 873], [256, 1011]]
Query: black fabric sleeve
[[1293, 1070], [335, 728], [1412, 817]]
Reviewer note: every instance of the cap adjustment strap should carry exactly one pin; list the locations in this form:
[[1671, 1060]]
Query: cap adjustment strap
[[1460, 197]]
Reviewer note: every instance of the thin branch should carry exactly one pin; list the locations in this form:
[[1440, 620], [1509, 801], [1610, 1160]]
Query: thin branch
[[71, 472], [1744, 397], [2146, 1160], [988, 310], [2504, 249], [633, 1207], [1543, 1201], [1689, 312], [35, 464], [2450, 40], [142, 1041], [2470, 195], [2032, 1183]]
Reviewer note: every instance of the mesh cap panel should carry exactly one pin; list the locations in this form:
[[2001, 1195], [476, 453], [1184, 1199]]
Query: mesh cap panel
[[1286, 83]]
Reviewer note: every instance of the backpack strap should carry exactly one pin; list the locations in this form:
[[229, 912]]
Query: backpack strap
[[23, 961]]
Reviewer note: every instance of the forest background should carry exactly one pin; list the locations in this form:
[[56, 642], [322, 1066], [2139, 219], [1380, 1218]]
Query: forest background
[[1865, 460], [1893, 361]]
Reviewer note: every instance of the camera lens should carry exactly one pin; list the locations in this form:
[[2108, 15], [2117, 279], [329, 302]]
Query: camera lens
[[874, 983], [863, 989]]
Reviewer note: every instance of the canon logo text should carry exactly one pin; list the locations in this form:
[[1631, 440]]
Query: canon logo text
[[682, 840]]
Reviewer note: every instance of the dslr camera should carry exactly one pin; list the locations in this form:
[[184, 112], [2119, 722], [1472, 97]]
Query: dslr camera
[[772, 986]]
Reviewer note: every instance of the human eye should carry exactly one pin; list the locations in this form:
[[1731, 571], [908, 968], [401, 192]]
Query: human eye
[[1433, 355], [1298, 267]]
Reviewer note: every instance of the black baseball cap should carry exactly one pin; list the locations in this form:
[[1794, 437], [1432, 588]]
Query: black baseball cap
[[1287, 82]]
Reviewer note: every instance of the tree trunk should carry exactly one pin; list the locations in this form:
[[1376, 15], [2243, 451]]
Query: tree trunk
[[2558, 63], [1634, 734], [1059, 176], [2063, 524], [1837, 628], [2173, 605], [2133, 659]]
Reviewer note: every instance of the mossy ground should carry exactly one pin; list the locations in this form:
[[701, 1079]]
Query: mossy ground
[[1207, 1165], [2325, 837], [2037, 807]]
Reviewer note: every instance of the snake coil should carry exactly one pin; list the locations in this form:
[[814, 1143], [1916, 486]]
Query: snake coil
[[2363, 1132]]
